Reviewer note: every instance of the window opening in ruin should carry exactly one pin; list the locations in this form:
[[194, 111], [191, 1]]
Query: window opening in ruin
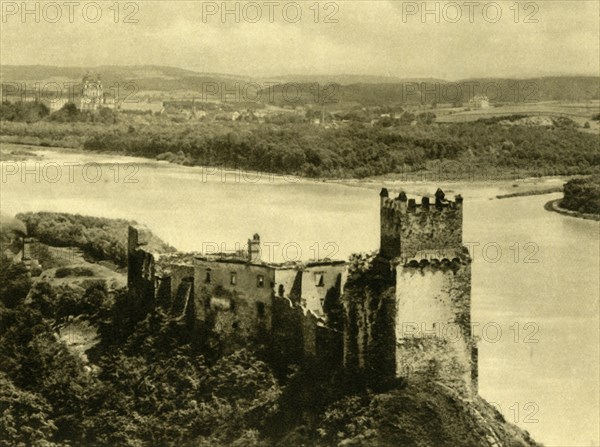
[[233, 278], [260, 281], [319, 279], [260, 309]]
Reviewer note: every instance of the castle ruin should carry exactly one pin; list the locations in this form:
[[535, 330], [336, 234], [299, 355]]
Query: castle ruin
[[409, 310]]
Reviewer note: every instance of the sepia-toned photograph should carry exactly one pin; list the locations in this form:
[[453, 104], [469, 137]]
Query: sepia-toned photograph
[[348, 223]]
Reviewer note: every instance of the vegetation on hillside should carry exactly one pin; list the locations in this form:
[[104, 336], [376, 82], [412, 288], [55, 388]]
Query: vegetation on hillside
[[582, 195], [397, 142], [151, 383], [25, 112], [152, 388], [363, 151], [354, 151], [99, 238]]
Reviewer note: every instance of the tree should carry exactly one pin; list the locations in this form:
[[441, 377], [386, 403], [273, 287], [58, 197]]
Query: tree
[[14, 282], [24, 417]]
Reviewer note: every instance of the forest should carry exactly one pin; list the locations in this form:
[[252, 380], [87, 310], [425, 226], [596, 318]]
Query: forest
[[352, 149]]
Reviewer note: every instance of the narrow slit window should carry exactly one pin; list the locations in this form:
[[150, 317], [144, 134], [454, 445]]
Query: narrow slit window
[[260, 309], [233, 278], [208, 277], [319, 279], [260, 281]]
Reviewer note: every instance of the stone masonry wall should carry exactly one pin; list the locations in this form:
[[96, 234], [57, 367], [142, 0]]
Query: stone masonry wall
[[433, 306], [408, 227]]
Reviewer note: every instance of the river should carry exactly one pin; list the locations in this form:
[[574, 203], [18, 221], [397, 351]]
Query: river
[[535, 273]]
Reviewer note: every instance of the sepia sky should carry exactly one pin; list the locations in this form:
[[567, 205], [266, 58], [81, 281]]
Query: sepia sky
[[386, 38]]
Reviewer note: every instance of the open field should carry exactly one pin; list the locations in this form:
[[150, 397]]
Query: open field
[[580, 112]]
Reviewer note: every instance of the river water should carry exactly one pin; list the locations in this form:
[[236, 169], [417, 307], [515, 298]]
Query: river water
[[535, 273]]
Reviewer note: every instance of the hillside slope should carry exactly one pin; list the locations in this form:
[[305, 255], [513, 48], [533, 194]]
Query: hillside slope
[[353, 88], [424, 414]]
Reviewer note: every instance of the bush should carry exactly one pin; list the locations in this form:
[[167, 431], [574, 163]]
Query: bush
[[582, 195], [63, 272], [99, 238]]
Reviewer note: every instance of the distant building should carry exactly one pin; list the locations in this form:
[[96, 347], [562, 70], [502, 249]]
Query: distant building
[[142, 106], [109, 102], [92, 93], [30, 96], [480, 102], [55, 104]]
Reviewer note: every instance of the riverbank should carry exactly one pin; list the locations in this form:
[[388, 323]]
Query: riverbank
[[554, 205], [531, 193], [451, 179]]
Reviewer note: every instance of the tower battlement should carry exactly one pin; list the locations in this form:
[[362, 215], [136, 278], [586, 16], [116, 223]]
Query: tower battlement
[[405, 205], [409, 226]]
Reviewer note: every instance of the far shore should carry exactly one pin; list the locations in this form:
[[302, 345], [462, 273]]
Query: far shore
[[554, 205], [502, 182]]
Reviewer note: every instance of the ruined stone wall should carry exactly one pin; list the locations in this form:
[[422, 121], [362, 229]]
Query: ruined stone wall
[[140, 273], [433, 308], [163, 294], [249, 308], [288, 283], [299, 336], [241, 301], [181, 283], [318, 280], [427, 228], [408, 227], [369, 351], [390, 226]]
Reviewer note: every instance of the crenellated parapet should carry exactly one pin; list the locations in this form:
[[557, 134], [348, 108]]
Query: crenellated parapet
[[409, 225], [403, 204]]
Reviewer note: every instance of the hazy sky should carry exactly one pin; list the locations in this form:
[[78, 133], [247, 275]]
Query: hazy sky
[[370, 37]]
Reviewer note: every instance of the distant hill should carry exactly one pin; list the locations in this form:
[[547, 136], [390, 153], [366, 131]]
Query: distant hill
[[145, 77], [359, 89], [121, 72], [349, 79], [574, 88]]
